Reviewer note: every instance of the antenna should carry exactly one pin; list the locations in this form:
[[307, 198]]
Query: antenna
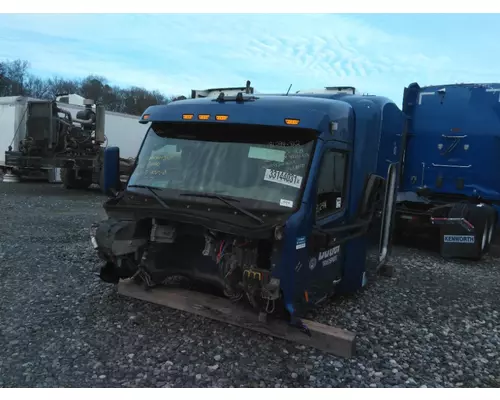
[[288, 91]]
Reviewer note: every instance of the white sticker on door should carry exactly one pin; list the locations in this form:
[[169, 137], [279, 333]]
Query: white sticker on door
[[301, 243], [338, 202], [283, 178]]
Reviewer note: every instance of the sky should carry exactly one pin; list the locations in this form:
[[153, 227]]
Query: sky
[[174, 53]]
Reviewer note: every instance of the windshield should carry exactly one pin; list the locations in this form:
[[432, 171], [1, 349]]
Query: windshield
[[259, 163]]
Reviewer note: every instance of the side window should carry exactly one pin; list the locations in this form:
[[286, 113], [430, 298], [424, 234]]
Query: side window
[[331, 183]]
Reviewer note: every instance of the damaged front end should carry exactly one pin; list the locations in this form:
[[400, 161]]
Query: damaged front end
[[155, 251], [208, 204], [119, 244]]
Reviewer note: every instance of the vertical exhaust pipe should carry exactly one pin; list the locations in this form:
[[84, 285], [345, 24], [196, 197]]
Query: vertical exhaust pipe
[[100, 115]]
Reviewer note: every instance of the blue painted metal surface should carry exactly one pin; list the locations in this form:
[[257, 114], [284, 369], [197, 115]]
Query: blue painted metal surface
[[376, 144], [266, 110], [368, 128], [111, 167], [371, 111], [454, 136]]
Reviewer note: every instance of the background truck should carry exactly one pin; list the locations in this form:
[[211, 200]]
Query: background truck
[[451, 181], [43, 136]]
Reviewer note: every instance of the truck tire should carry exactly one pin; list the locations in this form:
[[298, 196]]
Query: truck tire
[[69, 180], [85, 180], [480, 217]]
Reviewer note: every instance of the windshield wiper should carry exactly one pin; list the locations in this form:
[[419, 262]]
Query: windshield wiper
[[153, 190], [227, 200]]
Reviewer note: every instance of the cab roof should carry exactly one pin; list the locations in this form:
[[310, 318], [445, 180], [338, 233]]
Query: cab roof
[[313, 113]]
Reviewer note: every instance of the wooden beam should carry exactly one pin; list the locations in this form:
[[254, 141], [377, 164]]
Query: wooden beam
[[323, 337]]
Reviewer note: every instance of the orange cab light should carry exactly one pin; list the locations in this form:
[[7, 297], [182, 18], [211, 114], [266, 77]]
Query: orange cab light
[[145, 116], [203, 116], [221, 117], [290, 121], [187, 116]]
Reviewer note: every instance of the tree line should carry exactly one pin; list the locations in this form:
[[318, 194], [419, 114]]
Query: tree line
[[16, 80]]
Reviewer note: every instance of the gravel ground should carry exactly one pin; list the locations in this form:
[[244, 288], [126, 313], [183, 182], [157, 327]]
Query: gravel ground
[[434, 323]]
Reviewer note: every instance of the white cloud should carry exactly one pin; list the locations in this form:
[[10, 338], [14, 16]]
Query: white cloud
[[177, 53]]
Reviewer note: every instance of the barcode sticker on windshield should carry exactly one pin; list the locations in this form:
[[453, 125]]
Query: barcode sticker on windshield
[[286, 203], [284, 178]]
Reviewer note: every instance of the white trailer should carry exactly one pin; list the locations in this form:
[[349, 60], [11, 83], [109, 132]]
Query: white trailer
[[12, 113]]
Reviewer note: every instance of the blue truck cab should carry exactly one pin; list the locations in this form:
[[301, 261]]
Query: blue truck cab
[[451, 162], [279, 200]]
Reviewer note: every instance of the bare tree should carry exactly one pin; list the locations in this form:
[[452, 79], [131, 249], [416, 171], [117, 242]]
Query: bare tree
[[58, 85], [37, 87], [15, 80], [15, 74]]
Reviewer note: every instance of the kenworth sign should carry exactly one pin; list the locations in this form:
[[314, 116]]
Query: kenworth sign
[[459, 238]]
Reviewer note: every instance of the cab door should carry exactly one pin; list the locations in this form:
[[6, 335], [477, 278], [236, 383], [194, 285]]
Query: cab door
[[325, 251]]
